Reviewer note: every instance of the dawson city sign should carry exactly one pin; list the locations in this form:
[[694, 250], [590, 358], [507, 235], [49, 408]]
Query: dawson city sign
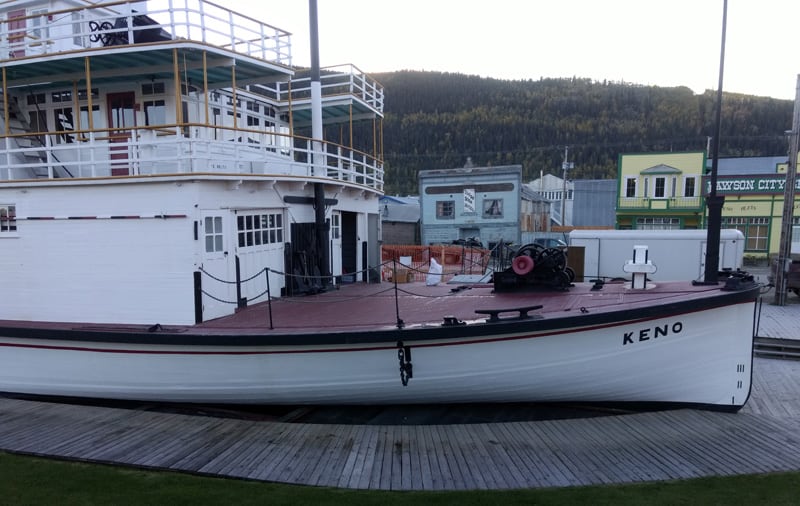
[[748, 185]]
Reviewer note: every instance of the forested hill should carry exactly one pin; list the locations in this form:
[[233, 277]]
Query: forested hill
[[436, 120]]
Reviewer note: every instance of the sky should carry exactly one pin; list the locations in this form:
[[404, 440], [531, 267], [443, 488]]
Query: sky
[[649, 42]]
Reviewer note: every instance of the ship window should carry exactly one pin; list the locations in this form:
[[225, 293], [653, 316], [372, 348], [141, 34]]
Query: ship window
[[336, 226], [62, 96], [78, 37], [8, 218], [155, 112], [36, 98], [153, 89], [445, 209], [82, 95], [216, 120], [213, 233], [97, 119], [39, 24], [38, 121], [185, 117], [64, 123], [256, 229]]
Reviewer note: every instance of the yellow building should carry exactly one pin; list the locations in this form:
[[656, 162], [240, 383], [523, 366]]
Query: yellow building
[[754, 205], [660, 191]]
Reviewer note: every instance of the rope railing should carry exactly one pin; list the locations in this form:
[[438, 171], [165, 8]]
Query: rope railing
[[393, 264]]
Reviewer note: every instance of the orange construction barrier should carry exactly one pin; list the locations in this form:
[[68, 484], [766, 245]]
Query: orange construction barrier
[[413, 262]]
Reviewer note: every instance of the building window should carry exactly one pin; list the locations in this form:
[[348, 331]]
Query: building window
[[755, 231], [493, 208], [630, 187], [8, 218], [445, 209], [258, 229], [658, 223], [659, 187], [336, 225], [689, 187], [213, 233]]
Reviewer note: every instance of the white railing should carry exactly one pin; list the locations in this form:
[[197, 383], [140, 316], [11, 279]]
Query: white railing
[[337, 80], [181, 149], [127, 22]]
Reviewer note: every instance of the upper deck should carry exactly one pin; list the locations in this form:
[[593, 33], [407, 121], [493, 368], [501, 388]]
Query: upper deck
[[35, 32], [214, 65]]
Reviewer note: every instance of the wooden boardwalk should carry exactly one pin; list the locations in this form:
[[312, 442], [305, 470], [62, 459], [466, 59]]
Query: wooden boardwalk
[[666, 445]]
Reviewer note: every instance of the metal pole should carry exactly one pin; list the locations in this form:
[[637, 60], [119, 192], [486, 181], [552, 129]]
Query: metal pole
[[318, 166], [713, 201], [565, 165], [269, 300], [785, 251]]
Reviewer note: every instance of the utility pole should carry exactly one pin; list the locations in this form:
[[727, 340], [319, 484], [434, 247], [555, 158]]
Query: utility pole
[[785, 251], [564, 166]]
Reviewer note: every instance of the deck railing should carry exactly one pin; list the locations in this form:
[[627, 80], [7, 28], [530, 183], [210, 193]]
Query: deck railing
[[665, 203], [181, 149], [43, 32], [336, 80]]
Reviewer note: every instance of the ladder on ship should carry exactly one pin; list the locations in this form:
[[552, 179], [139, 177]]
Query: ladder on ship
[[25, 138]]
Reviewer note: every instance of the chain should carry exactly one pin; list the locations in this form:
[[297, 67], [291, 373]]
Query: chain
[[406, 369]]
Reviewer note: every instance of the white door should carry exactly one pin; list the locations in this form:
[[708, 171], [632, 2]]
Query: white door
[[218, 276], [336, 243], [259, 245]]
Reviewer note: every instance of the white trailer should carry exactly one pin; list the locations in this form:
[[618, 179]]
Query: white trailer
[[676, 254]]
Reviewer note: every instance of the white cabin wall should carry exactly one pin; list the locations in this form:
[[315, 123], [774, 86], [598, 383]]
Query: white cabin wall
[[93, 268]]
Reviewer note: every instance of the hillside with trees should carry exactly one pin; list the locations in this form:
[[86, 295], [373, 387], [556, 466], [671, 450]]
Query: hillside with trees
[[436, 120]]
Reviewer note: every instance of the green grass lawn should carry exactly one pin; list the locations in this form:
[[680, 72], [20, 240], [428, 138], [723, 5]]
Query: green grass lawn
[[28, 480]]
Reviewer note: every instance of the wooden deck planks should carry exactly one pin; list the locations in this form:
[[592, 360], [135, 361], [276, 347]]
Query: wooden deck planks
[[614, 449]]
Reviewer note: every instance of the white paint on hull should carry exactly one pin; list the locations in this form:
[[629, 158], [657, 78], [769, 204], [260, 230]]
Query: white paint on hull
[[704, 358]]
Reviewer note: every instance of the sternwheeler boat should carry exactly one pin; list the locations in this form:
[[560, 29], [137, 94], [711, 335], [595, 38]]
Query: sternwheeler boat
[[172, 228]]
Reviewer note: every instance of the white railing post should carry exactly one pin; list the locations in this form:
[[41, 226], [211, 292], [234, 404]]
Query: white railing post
[[203, 33], [92, 161], [48, 156]]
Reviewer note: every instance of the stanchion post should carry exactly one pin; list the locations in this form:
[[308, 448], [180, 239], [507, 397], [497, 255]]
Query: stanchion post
[[269, 299]]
